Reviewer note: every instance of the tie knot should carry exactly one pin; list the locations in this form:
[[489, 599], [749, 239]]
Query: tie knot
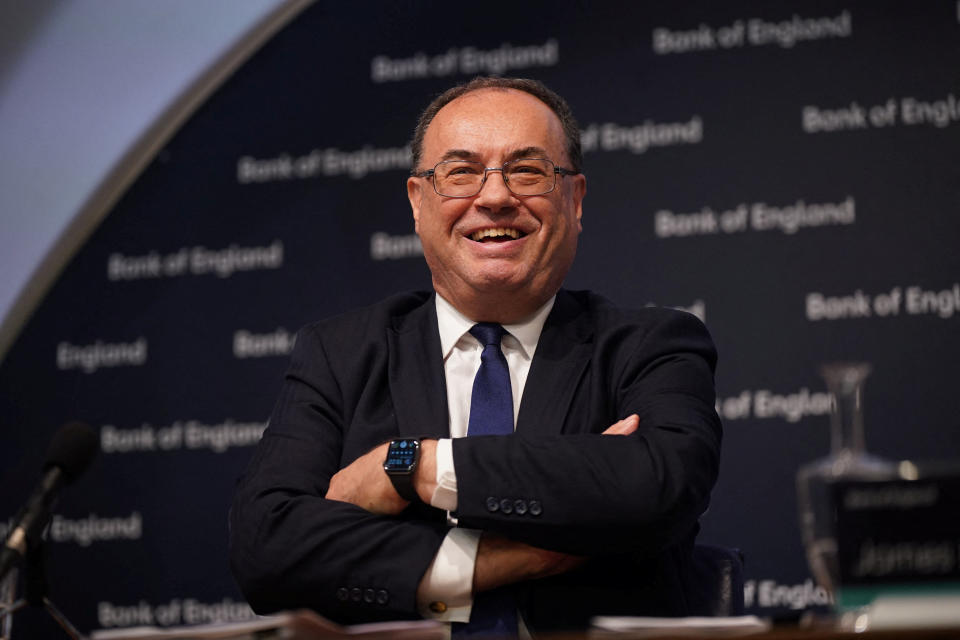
[[488, 333]]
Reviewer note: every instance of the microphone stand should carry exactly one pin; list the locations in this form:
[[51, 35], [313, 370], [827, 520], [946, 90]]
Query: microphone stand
[[35, 595], [71, 451]]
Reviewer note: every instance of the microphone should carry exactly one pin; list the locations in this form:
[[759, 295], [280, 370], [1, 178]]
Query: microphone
[[71, 451]]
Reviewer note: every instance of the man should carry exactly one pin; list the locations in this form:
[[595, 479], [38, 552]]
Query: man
[[589, 508]]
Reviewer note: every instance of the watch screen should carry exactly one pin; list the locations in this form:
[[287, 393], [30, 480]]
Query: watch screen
[[401, 455]]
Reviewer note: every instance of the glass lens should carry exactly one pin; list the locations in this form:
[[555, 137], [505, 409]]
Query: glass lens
[[529, 176], [458, 177]]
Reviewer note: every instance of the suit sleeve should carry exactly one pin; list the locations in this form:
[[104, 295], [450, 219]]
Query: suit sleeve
[[585, 493], [289, 546]]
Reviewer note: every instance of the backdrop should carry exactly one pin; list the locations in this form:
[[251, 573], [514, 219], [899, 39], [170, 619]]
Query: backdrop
[[786, 171]]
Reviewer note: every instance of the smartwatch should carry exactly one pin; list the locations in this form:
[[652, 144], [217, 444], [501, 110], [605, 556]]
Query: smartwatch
[[403, 454]]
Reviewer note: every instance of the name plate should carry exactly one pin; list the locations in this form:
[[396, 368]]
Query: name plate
[[897, 536]]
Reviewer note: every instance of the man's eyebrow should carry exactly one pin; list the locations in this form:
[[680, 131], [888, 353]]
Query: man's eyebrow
[[526, 152], [460, 154]]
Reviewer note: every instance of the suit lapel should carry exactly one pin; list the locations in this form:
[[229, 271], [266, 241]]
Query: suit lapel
[[415, 363], [558, 364]]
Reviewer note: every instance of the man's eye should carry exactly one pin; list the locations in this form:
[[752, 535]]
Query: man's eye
[[464, 170], [528, 169]]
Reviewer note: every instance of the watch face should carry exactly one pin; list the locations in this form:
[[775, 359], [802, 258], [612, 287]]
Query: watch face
[[402, 455]]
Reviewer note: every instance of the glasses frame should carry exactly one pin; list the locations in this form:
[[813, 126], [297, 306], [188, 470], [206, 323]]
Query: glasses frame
[[557, 171]]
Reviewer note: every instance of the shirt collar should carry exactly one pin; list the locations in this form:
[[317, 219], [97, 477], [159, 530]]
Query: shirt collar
[[453, 325]]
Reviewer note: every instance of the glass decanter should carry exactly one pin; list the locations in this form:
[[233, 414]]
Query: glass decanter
[[848, 460]]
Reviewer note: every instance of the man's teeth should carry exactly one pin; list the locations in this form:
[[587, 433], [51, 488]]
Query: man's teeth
[[496, 232]]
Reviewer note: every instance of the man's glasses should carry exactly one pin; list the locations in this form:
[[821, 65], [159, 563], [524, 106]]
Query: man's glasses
[[523, 177]]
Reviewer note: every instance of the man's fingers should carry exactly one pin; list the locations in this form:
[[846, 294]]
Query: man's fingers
[[623, 427]]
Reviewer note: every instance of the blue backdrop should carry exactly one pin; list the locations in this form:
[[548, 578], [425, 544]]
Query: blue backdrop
[[786, 171]]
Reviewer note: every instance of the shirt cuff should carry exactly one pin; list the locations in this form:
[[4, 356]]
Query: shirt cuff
[[445, 495], [446, 592]]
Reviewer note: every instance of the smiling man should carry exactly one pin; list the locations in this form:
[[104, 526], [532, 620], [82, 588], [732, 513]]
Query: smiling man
[[499, 445], [497, 249]]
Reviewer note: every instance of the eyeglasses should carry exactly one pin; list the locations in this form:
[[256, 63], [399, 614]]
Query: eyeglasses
[[523, 177]]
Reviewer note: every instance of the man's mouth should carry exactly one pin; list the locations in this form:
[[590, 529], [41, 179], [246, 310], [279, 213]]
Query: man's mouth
[[496, 234]]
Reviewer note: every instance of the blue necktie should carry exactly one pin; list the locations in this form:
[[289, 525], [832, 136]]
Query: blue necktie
[[491, 414], [491, 405]]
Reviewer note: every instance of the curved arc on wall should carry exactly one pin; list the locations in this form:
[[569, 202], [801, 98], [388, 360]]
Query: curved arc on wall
[[131, 164]]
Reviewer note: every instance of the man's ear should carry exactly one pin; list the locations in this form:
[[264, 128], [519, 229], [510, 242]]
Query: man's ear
[[415, 195], [579, 191]]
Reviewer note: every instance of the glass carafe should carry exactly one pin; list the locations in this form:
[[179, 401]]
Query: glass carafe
[[848, 460]]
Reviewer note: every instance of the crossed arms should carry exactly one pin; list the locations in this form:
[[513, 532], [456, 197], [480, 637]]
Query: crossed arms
[[500, 561], [316, 523]]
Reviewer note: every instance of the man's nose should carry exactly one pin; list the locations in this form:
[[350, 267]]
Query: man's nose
[[494, 193]]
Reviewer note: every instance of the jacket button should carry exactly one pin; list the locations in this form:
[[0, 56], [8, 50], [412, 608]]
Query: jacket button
[[383, 597], [506, 505], [342, 594], [369, 595], [535, 508], [493, 505], [520, 506], [356, 594]]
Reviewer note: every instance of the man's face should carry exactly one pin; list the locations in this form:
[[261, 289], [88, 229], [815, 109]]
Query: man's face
[[497, 279]]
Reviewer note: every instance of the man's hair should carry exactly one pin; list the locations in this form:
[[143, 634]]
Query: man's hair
[[534, 87]]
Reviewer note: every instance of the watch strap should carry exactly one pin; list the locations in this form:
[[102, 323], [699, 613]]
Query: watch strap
[[403, 483]]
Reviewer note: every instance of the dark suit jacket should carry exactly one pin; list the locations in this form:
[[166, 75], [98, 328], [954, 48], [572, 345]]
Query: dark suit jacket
[[630, 503]]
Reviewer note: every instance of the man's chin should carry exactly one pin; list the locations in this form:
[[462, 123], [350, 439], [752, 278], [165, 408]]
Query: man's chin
[[500, 281]]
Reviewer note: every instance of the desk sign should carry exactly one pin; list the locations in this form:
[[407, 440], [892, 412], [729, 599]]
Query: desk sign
[[897, 536]]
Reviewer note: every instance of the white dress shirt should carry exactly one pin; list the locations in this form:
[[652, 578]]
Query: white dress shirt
[[449, 578]]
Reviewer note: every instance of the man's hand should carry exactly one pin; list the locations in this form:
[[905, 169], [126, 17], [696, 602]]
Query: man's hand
[[502, 561], [364, 482]]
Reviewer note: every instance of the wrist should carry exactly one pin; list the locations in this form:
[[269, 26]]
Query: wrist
[[401, 463]]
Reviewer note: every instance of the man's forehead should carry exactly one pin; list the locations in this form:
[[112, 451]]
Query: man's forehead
[[517, 123], [529, 151]]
